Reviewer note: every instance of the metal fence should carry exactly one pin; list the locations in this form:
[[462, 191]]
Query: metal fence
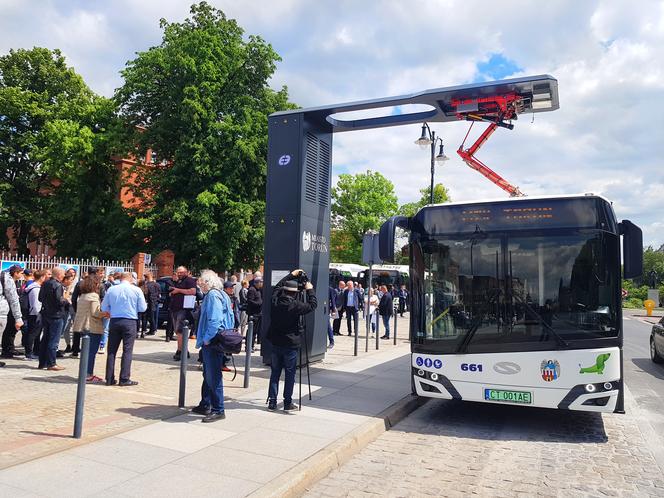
[[83, 265]]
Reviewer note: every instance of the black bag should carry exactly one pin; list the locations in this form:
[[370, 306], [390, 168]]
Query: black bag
[[228, 341], [24, 302]]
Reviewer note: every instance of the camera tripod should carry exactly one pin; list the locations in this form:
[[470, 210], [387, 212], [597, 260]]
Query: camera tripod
[[302, 296]]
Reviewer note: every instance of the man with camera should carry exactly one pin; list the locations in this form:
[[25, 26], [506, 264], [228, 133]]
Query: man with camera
[[286, 330]]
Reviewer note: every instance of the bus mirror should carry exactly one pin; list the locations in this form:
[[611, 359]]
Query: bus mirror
[[632, 249], [386, 237]]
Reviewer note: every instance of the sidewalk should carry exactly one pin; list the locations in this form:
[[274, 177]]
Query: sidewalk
[[243, 454]]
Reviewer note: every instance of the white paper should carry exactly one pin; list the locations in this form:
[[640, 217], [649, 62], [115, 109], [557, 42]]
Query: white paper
[[189, 302]]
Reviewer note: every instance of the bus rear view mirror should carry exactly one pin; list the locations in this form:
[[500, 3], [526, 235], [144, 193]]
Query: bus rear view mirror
[[632, 249], [386, 237]]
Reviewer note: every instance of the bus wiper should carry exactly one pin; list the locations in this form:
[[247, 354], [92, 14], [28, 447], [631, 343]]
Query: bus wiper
[[463, 347], [562, 342]]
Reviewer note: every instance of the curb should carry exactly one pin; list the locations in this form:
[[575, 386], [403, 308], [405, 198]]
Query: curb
[[296, 481]]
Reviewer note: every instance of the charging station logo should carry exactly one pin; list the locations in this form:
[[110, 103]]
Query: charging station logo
[[284, 160], [313, 242], [306, 241]]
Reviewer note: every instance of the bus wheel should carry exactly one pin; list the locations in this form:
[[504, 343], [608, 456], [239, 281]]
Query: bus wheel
[[654, 355]]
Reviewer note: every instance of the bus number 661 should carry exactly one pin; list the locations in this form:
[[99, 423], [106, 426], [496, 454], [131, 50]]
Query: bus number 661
[[473, 367]]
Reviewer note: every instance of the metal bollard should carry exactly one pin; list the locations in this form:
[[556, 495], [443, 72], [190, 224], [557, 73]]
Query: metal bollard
[[183, 363], [80, 391], [249, 339], [396, 316], [378, 319], [356, 338]]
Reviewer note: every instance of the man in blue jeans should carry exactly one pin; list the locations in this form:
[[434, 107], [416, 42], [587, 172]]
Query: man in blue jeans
[[285, 334], [54, 302]]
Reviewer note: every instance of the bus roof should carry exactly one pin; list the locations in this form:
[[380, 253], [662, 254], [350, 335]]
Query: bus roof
[[543, 212], [519, 199]]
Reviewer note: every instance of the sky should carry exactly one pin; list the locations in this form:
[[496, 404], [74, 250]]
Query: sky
[[608, 57]]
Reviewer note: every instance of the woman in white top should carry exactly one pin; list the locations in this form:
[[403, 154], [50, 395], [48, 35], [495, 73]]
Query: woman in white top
[[372, 308]]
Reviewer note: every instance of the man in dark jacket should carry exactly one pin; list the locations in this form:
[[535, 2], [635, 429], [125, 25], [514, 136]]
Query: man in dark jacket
[[54, 316], [285, 334], [403, 296], [254, 307], [153, 295], [385, 310], [332, 308], [339, 305]]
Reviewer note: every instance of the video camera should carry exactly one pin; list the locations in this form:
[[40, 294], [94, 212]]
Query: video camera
[[302, 278]]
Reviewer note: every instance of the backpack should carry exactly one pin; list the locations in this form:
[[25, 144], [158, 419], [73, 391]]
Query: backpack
[[24, 301]]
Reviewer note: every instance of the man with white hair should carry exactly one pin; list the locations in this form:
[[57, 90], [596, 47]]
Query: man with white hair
[[122, 304], [216, 314]]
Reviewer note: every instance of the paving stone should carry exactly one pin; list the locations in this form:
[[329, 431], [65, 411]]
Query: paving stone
[[450, 449]]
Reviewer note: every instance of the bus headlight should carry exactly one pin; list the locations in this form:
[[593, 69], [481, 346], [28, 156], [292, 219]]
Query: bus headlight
[[608, 386], [590, 388], [420, 372], [434, 377]]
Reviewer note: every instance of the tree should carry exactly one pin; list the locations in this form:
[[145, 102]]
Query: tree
[[440, 196], [360, 203], [200, 100], [344, 248], [57, 181]]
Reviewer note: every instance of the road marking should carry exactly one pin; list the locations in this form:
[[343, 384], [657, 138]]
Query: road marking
[[625, 318]]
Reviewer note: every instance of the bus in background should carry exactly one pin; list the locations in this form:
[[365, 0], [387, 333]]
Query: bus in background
[[343, 272], [394, 275], [518, 301]]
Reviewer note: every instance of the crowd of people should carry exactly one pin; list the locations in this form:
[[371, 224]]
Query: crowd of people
[[49, 305], [349, 299]]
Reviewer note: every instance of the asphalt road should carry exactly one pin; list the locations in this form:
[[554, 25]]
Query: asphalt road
[[645, 381]]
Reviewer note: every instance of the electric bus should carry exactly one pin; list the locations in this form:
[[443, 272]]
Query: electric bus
[[388, 275], [517, 301], [343, 272]]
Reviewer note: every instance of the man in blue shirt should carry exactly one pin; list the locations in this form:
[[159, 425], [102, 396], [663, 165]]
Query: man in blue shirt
[[216, 314], [122, 303], [353, 302]]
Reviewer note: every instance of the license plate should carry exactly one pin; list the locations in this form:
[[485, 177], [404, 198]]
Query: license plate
[[523, 397]]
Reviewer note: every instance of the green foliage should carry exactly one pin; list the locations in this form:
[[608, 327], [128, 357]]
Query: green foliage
[[201, 100], [362, 202], [57, 181], [440, 196], [344, 248], [653, 261]]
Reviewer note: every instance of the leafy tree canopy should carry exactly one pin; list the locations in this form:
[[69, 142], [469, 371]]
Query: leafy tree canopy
[[57, 180], [440, 195], [200, 100], [362, 202]]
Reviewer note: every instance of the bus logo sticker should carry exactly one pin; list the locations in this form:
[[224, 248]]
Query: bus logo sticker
[[550, 370], [437, 364], [419, 361], [506, 368], [598, 367], [428, 362]]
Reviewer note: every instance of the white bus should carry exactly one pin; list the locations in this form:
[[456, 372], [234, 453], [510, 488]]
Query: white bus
[[518, 301]]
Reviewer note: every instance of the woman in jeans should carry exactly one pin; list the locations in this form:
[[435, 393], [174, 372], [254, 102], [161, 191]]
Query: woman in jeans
[[88, 321]]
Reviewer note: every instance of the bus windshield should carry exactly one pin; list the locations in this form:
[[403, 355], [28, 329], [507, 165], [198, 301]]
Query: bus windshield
[[515, 292]]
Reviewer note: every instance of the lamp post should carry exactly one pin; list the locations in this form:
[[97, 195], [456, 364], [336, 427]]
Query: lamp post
[[429, 137]]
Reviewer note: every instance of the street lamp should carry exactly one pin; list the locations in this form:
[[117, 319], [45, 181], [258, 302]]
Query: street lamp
[[429, 137]]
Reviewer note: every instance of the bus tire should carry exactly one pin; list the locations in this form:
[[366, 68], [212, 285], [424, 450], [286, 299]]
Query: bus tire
[[654, 355]]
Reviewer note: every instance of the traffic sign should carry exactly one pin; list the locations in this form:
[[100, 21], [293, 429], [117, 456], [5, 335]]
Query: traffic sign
[[624, 293]]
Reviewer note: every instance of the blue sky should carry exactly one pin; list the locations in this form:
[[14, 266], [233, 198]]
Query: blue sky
[[607, 56]]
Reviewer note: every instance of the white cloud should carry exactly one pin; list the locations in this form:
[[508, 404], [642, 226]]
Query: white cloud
[[608, 58]]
